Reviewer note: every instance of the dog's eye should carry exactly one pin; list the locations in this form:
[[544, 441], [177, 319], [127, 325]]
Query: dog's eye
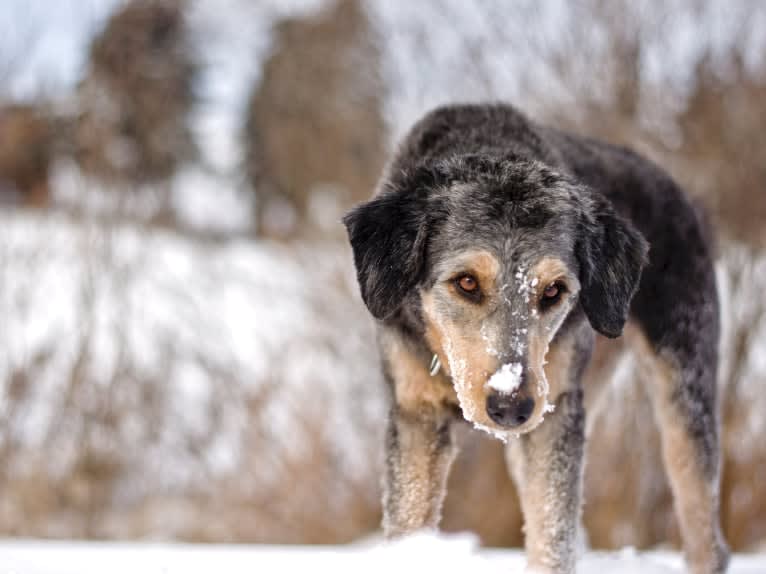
[[551, 294], [551, 291], [468, 285]]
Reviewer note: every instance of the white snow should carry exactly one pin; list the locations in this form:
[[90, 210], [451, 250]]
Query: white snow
[[206, 326], [423, 552], [507, 378]]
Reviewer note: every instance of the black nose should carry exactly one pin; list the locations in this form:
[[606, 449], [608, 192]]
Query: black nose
[[509, 410]]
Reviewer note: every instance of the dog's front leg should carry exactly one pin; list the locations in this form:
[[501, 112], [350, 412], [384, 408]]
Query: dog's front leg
[[546, 465], [419, 452], [419, 439]]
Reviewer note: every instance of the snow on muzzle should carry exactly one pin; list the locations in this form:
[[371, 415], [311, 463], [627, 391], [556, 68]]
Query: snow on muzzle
[[509, 402]]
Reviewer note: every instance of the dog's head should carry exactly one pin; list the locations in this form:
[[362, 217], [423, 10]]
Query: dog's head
[[490, 255]]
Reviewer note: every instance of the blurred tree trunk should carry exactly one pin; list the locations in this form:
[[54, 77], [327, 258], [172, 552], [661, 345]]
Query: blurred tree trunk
[[26, 152], [315, 135], [137, 95]]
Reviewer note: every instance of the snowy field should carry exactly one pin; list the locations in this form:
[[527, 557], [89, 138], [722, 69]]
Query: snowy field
[[421, 553]]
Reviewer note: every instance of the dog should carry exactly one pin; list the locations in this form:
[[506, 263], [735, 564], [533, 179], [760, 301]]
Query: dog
[[493, 255]]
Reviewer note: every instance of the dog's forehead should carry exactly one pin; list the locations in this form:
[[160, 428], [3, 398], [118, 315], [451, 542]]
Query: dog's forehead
[[519, 221], [496, 205], [513, 245], [511, 258], [479, 206]]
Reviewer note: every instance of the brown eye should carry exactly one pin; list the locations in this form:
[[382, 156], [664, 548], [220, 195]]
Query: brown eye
[[468, 286], [468, 283], [551, 295], [551, 291]]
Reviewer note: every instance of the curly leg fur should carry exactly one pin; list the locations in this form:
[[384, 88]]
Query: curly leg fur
[[419, 452], [547, 468], [691, 454]]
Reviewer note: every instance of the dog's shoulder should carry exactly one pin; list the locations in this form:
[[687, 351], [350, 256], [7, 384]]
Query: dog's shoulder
[[676, 228], [617, 172], [637, 187]]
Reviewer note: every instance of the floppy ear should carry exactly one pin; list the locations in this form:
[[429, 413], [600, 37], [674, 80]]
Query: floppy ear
[[611, 254], [388, 237]]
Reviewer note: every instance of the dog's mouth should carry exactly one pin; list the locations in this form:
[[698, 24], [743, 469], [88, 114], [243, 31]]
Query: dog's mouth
[[504, 433]]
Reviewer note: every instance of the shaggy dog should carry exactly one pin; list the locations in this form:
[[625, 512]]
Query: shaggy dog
[[493, 253]]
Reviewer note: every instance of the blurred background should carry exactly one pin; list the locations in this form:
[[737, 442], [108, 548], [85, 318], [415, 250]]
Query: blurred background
[[183, 351]]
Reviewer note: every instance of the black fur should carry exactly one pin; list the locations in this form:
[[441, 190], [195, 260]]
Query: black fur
[[529, 182], [485, 177], [389, 236], [611, 254], [516, 170]]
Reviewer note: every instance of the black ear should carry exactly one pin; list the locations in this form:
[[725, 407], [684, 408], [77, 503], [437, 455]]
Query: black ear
[[611, 254], [388, 236]]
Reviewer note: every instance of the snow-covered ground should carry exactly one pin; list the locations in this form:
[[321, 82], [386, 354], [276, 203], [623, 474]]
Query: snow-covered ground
[[420, 553]]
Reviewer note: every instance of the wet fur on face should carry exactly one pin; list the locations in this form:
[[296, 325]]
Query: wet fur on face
[[509, 323]]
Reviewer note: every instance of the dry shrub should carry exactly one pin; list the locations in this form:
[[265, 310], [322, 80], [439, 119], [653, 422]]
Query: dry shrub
[[281, 440], [723, 152], [627, 498], [174, 388], [137, 95], [315, 136], [26, 150], [710, 137], [743, 402]]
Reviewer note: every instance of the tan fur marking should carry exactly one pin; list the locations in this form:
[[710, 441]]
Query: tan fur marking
[[434, 336], [413, 385], [464, 357], [558, 367], [461, 348], [483, 265], [548, 270], [549, 492], [418, 456], [552, 364], [417, 482], [538, 372], [695, 498]]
